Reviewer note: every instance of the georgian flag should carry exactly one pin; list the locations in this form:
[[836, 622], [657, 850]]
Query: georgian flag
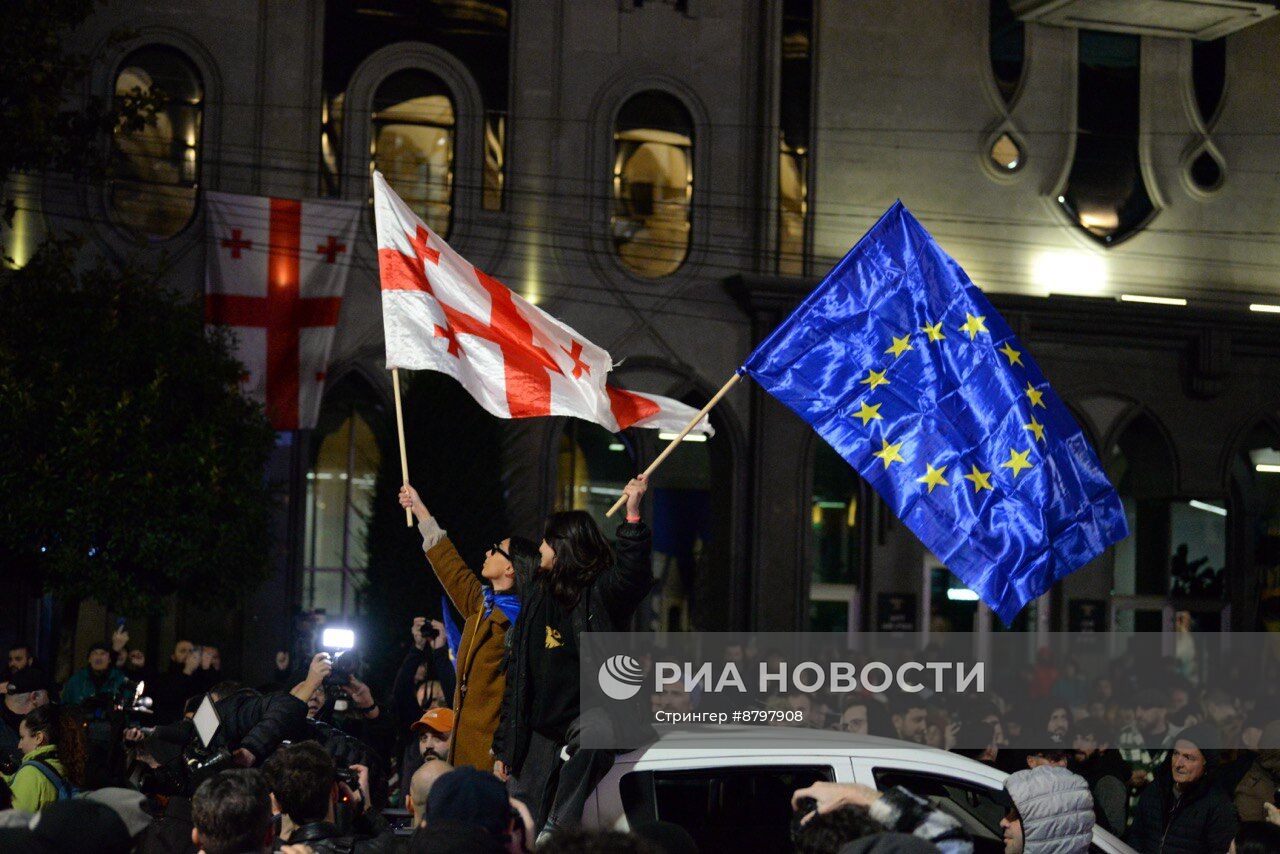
[[275, 274], [440, 313]]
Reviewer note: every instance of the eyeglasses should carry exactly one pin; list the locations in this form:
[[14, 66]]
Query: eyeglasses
[[497, 547]]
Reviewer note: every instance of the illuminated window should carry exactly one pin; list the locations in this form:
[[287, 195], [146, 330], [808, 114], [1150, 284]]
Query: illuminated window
[[592, 467], [1006, 154], [156, 167], [652, 184], [495, 160], [1105, 193], [1256, 516], [340, 489], [413, 142], [835, 550]]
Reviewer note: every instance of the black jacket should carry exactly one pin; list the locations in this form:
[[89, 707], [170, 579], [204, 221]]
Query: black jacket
[[256, 722], [1201, 821], [607, 605], [346, 751], [371, 836]]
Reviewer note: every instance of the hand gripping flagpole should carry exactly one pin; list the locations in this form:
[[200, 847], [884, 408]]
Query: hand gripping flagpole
[[404, 459], [697, 419]]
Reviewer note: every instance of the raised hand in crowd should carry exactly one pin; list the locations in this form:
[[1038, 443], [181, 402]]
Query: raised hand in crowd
[[419, 639], [320, 668], [634, 491], [192, 662], [409, 499], [439, 638], [362, 697]]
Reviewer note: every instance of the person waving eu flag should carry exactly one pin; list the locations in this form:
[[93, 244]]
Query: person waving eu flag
[[899, 362]]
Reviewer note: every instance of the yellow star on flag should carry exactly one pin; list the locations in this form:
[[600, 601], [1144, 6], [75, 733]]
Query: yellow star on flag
[[900, 346], [934, 331], [973, 325], [1034, 396], [875, 378], [1035, 427], [1018, 461], [869, 413], [980, 479], [933, 477], [1014, 357], [889, 453]]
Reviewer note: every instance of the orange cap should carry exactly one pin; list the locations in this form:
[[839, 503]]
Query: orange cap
[[438, 720]]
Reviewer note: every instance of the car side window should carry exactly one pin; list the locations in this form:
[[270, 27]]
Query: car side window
[[744, 808], [978, 808]]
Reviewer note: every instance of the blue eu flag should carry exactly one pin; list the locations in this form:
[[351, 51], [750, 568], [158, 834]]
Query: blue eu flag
[[900, 363]]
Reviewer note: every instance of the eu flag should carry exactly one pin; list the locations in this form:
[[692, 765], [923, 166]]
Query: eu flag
[[898, 360]]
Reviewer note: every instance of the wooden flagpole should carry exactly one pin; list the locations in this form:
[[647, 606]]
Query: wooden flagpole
[[404, 459], [697, 419]]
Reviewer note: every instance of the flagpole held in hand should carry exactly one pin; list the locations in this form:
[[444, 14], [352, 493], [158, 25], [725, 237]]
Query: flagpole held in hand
[[688, 428], [404, 459]]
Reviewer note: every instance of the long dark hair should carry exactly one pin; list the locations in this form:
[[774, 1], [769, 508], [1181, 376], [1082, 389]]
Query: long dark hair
[[63, 727], [581, 552], [525, 559]]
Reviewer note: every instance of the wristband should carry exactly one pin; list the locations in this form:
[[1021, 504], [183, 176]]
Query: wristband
[[633, 519]]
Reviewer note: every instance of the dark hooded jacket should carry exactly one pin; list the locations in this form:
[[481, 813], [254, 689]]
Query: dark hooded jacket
[[1259, 784], [607, 605], [1201, 820]]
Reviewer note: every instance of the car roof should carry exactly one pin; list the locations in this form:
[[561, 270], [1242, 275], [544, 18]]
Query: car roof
[[693, 742]]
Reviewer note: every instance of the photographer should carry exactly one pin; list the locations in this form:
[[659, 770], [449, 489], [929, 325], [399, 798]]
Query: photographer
[[252, 725], [322, 808], [425, 677]]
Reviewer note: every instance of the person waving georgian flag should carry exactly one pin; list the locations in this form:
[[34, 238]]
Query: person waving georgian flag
[[441, 313]]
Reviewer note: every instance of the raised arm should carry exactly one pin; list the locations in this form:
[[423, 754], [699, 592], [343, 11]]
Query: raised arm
[[624, 585], [462, 585]]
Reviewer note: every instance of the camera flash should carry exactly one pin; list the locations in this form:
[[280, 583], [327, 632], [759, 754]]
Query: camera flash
[[338, 638]]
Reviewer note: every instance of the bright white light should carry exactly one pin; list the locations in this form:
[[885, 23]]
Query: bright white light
[[1153, 300], [1264, 468], [1262, 306], [1212, 508], [692, 437], [604, 490], [338, 638], [617, 446], [960, 594], [1070, 272]]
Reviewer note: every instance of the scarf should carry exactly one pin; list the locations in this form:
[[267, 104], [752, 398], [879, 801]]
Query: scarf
[[508, 603]]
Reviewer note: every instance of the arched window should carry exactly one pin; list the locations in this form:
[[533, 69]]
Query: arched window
[[340, 488], [156, 167], [413, 143], [652, 183], [1176, 549], [1256, 475], [1105, 193], [835, 545]]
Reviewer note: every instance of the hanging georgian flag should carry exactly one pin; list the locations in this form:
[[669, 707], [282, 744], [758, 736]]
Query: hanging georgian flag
[[275, 275], [440, 313]]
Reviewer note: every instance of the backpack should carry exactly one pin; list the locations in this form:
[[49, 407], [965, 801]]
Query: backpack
[[65, 789]]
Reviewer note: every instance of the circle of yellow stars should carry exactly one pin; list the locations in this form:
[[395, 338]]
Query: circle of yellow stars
[[934, 476]]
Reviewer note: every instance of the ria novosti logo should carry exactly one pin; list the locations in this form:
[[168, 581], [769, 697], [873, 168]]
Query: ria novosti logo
[[620, 677]]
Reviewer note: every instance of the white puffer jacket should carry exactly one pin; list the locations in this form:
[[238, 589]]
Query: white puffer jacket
[[1056, 810]]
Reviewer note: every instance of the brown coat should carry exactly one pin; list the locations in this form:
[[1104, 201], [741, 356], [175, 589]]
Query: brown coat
[[1258, 786], [477, 699]]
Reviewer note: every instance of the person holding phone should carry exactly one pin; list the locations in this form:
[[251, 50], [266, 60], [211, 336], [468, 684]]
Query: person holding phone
[[491, 607]]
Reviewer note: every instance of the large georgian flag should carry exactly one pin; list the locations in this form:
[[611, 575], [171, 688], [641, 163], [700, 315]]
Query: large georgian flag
[[440, 313], [275, 275]]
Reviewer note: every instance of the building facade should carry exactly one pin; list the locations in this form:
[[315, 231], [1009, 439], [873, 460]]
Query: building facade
[[670, 177]]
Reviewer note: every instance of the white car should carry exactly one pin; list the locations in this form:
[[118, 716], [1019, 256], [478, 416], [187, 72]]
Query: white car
[[732, 794]]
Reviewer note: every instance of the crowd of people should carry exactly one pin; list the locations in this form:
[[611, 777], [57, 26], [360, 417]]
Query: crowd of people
[[477, 746]]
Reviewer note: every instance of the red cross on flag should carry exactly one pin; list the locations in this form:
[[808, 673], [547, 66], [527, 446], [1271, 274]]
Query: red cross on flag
[[275, 274], [440, 313]]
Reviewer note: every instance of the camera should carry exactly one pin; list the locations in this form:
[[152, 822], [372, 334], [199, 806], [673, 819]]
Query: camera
[[345, 664]]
